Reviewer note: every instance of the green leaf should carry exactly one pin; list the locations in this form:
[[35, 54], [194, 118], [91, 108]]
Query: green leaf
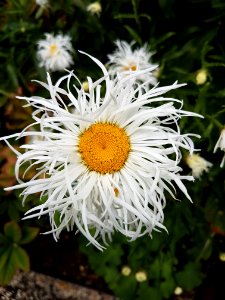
[[124, 16], [131, 16], [8, 266], [13, 212], [13, 231], [155, 268], [147, 292], [162, 39], [3, 239], [22, 259], [28, 234], [3, 255], [12, 257], [190, 277], [167, 287], [167, 269], [134, 34], [12, 75], [126, 287]]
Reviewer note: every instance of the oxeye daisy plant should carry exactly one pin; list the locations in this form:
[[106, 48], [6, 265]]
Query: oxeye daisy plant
[[105, 157]]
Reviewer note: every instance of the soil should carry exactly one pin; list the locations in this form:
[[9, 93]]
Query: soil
[[63, 260]]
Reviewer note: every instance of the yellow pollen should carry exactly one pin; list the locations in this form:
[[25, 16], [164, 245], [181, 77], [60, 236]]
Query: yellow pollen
[[116, 191], [53, 49], [104, 148], [131, 67]]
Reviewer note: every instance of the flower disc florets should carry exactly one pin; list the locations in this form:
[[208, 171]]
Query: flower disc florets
[[104, 148], [104, 159]]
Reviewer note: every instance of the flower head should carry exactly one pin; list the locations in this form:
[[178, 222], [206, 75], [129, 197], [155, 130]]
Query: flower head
[[94, 8], [222, 256], [178, 291], [201, 77], [141, 276], [221, 144], [125, 60], [42, 3], [54, 52], [105, 158], [126, 271], [85, 86], [197, 164]]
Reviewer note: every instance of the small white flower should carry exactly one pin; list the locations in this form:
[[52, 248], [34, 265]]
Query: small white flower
[[221, 144], [125, 60], [54, 52], [42, 3], [105, 158], [197, 164], [94, 8]]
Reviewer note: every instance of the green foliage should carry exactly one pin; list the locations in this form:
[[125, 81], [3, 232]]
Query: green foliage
[[186, 37], [167, 259], [190, 276], [12, 255]]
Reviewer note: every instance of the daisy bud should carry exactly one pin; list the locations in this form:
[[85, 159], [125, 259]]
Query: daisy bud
[[178, 291], [126, 271], [85, 86], [222, 256], [201, 77], [197, 164], [221, 144], [141, 276]]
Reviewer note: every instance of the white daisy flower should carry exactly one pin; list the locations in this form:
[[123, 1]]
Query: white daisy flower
[[94, 8], [105, 158], [221, 144], [42, 3], [197, 164], [54, 52], [125, 60]]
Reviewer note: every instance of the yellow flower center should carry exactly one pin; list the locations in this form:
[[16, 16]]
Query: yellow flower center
[[53, 49], [131, 67], [104, 148]]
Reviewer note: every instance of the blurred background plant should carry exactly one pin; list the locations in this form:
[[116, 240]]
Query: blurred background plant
[[188, 41]]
